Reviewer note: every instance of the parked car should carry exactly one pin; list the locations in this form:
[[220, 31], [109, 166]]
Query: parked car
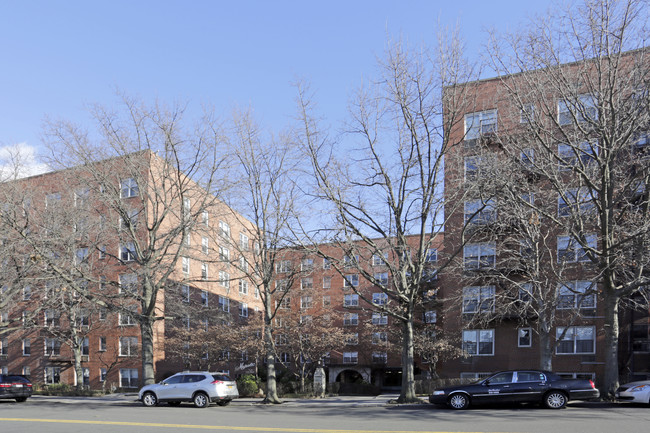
[[15, 387], [636, 392], [199, 387], [517, 386]]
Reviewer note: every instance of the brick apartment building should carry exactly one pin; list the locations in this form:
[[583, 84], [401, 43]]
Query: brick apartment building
[[76, 235], [515, 227]]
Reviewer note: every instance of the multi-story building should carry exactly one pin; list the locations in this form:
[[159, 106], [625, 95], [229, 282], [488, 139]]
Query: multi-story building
[[524, 191], [92, 252]]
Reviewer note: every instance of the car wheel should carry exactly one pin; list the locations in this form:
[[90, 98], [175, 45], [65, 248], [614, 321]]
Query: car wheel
[[174, 403], [201, 400], [223, 402], [458, 401], [149, 399], [555, 400], [20, 399]]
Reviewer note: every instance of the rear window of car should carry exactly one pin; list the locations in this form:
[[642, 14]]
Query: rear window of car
[[222, 377], [530, 376], [19, 379]]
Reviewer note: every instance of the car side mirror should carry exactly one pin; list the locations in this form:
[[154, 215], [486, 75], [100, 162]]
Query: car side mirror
[[486, 383]]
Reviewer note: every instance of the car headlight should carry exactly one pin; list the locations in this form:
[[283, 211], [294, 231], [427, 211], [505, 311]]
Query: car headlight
[[438, 393], [638, 388]]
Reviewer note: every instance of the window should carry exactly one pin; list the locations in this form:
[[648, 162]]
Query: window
[[350, 357], [243, 264], [578, 200], [85, 349], [305, 302], [641, 337], [51, 318], [281, 285], [306, 283], [102, 344], [479, 256], [81, 197], [52, 347], [224, 304], [480, 212], [243, 287], [473, 167], [350, 319], [224, 229], [129, 378], [27, 347], [570, 156], [379, 337], [379, 259], [224, 254], [102, 374], [205, 245], [430, 316], [26, 371], [243, 242], [80, 255], [381, 279], [103, 313], [527, 157], [576, 294], [527, 113], [128, 188], [327, 264], [431, 255], [204, 271], [204, 298], [128, 346], [185, 265], [224, 279], [351, 280], [285, 357], [525, 293], [127, 252], [281, 339], [569, 250], [351, 300], [52, 375], [327, 301], [480, 123], [576, 340], [581, 109], [524, 337], [350, 261], [102, 252], [641, 144], [285, 303], [379, 357], [126, 318], [243, 309], [327, 282], [205, 218], [352, 339], [379, 318], [27, 293], [283, 266], [478, 342], [478, 299], [4, 346], [128, 283], [379, 298], [52, 199], [306, 265]]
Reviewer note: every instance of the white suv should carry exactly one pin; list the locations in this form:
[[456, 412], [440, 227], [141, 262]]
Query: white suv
[[199, 387]]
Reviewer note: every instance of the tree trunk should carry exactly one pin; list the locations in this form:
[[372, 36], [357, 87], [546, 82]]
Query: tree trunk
[[545, 349], [271, 384], [611, 347], [407, 394], [78, 371], [148, 371]]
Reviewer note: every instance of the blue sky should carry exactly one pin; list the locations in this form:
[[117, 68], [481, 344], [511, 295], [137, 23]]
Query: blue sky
[[59, 56]]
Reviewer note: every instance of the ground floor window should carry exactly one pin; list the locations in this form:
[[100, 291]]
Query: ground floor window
[[478, 342], [52, 375], [350, 357], [524, 337], [576, 340], [102, 374], [128, 377]]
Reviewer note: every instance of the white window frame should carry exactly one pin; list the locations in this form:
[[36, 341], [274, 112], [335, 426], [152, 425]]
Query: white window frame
[[570, 251], [480, 123], [129, 188], [478, 334], [379, 318], [243, 287], [350, 319], [480, 212], [571, 335], [571, 295], [478, 253], [478, 299], [350, 357], [379, 298], [351, 300], [521, 335]]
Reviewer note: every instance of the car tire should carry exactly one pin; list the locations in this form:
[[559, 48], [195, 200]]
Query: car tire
[[458, 401], [223, 402], [555, 400], [21, 399], [174, 403], [201, 400], [149, 399]]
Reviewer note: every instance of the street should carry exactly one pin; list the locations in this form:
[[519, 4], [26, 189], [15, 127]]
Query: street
[[342, 414]]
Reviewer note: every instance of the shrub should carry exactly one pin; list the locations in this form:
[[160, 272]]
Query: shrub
[[247, 385]]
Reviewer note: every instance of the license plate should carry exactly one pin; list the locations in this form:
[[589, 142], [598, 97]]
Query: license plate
[[18, 385], [229, 386]]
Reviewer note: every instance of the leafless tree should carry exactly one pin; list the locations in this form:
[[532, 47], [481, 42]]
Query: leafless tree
[[389, 186], [586, 72]]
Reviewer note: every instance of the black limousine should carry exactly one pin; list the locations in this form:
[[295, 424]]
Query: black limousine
[[517, 386]]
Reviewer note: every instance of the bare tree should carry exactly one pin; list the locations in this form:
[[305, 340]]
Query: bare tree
[[586, 72], [386, 193], [149, 179]]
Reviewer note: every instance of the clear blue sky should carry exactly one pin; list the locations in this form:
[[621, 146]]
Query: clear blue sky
[[58, 55]]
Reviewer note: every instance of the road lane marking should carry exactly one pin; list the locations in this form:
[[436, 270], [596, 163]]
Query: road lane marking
[[213, 427]]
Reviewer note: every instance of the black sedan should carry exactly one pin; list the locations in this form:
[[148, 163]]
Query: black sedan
[[15, 387], [517, 386]]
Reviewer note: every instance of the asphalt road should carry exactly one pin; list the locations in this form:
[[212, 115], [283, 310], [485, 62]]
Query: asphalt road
[[336, 415]]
